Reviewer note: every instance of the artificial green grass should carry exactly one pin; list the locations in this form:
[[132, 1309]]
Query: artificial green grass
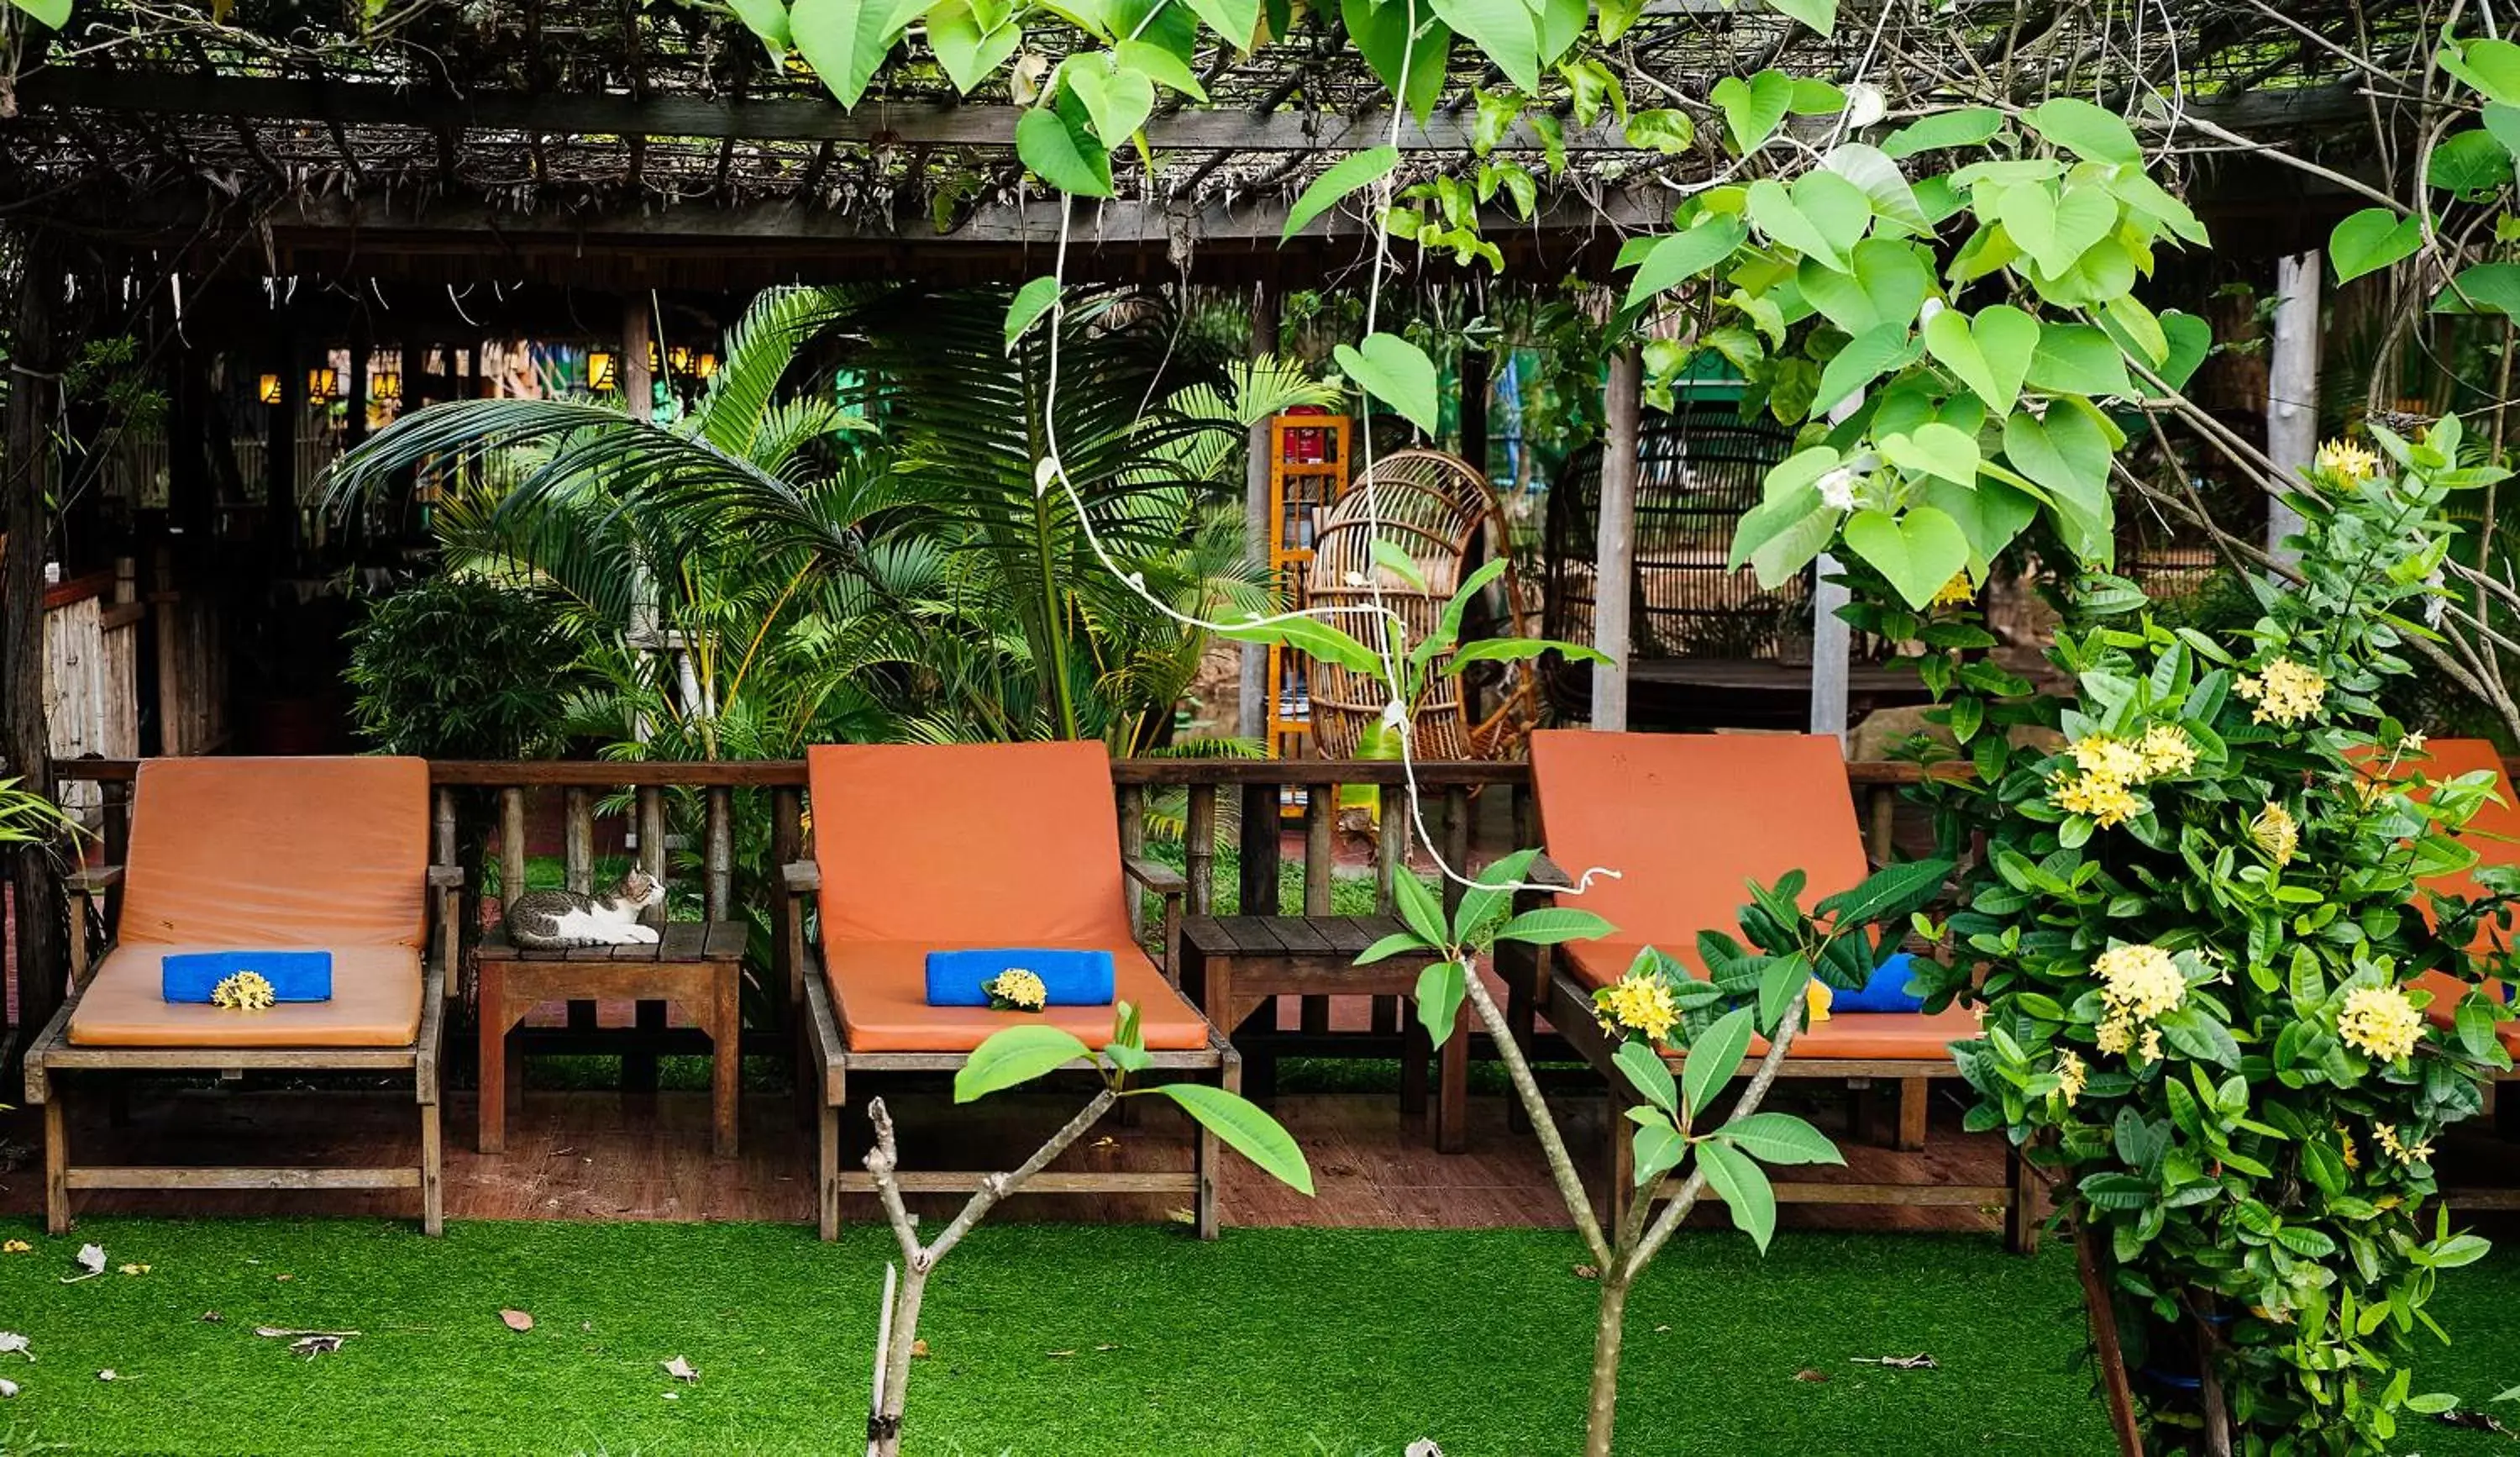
[[1065, 1340]]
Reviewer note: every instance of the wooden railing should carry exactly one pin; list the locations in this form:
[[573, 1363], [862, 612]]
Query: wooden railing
[[1452, 792]]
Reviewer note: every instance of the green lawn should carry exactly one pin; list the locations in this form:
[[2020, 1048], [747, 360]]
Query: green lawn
[[1061, 1339]]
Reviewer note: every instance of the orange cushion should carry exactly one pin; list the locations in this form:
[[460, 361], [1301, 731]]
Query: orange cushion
[[1690, 819], [229, 852], [1907, 1036], [879, 989], [375, 1003], [936, 848]]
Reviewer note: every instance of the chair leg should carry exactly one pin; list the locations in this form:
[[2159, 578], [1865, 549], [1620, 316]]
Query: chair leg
[[57, 1165], [1210, 1152], [433, 1160], [726, 1063], [1452, 1091], [826, 1173]]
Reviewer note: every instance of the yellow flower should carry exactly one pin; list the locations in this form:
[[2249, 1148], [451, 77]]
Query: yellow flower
[[2139, 983], [2115, 1033], [1019, 990], [2103, 757], [2398, 1147], [2380, 1021], [2150, 1051], [246, 991], [2167, 751], [1817, 995], [2274, 833], [2285, 693], [134, 1269], [2070, 1076], [2346, 461], [2352, 1155], [2108, 801], [1957, 592], [1639, 1002]]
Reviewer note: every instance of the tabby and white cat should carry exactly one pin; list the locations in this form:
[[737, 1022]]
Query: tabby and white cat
[[556, 919]]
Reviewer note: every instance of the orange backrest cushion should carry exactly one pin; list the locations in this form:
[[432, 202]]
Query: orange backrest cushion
[[278, 852], [967, 844], [1690, 819], [2494, 833]]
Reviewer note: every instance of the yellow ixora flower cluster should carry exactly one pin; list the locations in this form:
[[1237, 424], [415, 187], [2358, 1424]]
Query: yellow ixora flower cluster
[[2275, 832], [1638, 1002], [1960, 591], [2380, 1022], [2395, 1145], [2284, 690], [2071, 1075], [246, 991], [2138, 983], [2346, 461], [1016, 990], [2110, 766]]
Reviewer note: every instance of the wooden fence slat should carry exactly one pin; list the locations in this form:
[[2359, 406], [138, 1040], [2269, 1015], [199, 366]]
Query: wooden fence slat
[[1202, 848], [577, 838]]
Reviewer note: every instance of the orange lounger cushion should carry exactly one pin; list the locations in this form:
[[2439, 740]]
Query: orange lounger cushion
[[937, 847], [375, 1003], [879, 989], [1904, 1037], [268, 852]]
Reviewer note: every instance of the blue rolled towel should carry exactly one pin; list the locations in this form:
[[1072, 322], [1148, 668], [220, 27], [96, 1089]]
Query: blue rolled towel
[[294, 976], [1886, 991], [1075, 978]]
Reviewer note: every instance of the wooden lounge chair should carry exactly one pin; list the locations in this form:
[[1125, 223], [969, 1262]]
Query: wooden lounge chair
[[919, 848], [261, 854], [1690, 820]]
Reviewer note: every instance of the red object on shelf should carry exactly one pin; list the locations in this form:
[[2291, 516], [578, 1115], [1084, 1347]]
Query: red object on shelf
[[1307, 447]]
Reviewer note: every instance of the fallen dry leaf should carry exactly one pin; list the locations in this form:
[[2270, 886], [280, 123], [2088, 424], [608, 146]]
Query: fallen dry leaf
[[15, 1246], [1424, 1446], [517, 1320], [273, 1333], [312, 1347], [1658, 1330], [91, 1259], [673, 1395], [1061, 1355], [1107, 1348], [284, 1277], [8, 1389], [1809, 1375], [11, 1340], [918, 1348], [680, 1370], [1587, 1272], [211, 1317], [109, 1374], [1917, 1362], [133, 1269]]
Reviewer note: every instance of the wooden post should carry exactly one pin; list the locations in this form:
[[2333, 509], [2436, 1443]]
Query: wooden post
[[1259, 530], [2292, 387], [354, 426], [279, 445], [638, 384], [1615, 547], [1831, 646], [1475, 387], [42, 964]]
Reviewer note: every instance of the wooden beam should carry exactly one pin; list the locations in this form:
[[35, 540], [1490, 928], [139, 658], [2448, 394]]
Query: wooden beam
[[1615, 544], [42, 963], [1259, 530], [601, 115]]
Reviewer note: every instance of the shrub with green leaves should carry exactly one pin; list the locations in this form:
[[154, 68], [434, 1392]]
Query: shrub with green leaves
[[458, 666], [2221, 1003]]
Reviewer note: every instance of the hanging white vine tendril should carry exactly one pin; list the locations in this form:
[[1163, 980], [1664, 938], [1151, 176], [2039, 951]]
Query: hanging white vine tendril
[[1386, 645]]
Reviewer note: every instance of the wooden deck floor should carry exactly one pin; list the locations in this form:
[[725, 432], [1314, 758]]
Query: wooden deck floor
[[612, 1155]]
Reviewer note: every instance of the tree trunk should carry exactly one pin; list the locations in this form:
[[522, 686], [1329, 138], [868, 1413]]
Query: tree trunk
[[1607, 1334]]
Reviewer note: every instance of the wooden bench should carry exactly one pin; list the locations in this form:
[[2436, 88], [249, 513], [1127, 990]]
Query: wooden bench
[[1233, 967], [697, 965]]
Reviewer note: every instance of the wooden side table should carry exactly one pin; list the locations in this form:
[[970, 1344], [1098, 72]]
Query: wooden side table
[[1234, 966], [698, 965]]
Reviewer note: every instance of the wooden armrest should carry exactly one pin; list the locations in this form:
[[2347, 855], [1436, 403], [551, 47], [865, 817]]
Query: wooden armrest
[[1155, 876], [95, 882], [802, 876], [446, 876]]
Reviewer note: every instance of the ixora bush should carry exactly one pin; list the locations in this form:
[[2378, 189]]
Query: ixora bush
[[2220, 1002], [1009, 1058]]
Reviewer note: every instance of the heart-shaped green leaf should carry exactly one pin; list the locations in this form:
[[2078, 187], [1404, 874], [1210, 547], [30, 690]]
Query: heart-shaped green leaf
[[1771, 208], [844, 40], [1753, 107], [1030, 302], [1062, 154], [2190, 339], [766, 19], [2078, 359], [1989, 515], [1837, 208], [968, 54], [2491, 66], [1819, 15], [2057, 227], [1118, 101], [2484, 289], [1235, 21], [1917, 553], [1937, 451], [1990, 354], [2085, 130], [1381, 30], [1889, 285], [1507, 32], [1678, 257], [2066, 456], [1357, 169], [1866, 358], [1968, 126], [1880, 179], [1397, 373], [2371, 240]]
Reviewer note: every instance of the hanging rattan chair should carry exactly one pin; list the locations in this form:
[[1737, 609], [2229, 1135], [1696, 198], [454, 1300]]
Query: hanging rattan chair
[[1444, 514]]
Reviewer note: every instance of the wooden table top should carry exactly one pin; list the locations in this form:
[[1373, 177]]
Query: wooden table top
[[1343, 937], [684, 940]]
